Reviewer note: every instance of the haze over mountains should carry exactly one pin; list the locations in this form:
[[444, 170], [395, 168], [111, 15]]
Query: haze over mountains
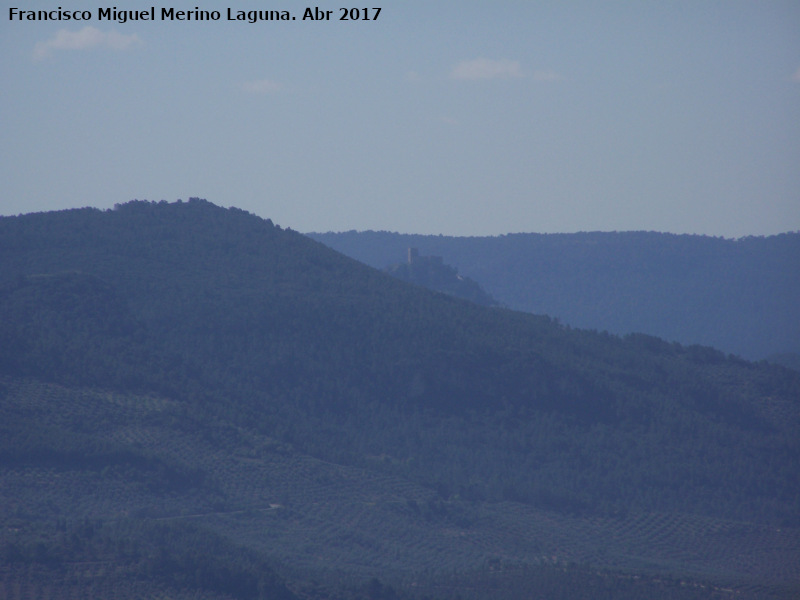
[[740, 296], [195, 402]]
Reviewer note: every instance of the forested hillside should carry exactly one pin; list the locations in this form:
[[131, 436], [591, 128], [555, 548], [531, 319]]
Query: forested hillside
[[175, 377], [741, 296]]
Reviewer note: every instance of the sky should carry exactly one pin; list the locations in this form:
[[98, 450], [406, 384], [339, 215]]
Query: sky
[[439, 117]]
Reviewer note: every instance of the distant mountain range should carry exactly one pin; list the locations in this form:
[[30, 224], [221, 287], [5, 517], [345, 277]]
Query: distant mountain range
[[198, 403], [741, 296]]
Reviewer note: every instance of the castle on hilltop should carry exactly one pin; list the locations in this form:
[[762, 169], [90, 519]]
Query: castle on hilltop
[[432, 273], [415, 258]]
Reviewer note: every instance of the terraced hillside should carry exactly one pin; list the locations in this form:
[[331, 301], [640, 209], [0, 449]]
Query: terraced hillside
[[153, 463]]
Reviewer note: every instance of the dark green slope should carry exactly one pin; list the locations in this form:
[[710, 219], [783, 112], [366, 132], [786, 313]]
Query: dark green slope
[[244, 327]]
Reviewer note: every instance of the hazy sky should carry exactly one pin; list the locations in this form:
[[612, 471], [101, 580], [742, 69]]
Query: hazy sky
[[454, 117]]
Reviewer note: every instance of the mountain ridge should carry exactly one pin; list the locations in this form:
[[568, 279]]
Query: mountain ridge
[[687, 288], [194, 343]]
